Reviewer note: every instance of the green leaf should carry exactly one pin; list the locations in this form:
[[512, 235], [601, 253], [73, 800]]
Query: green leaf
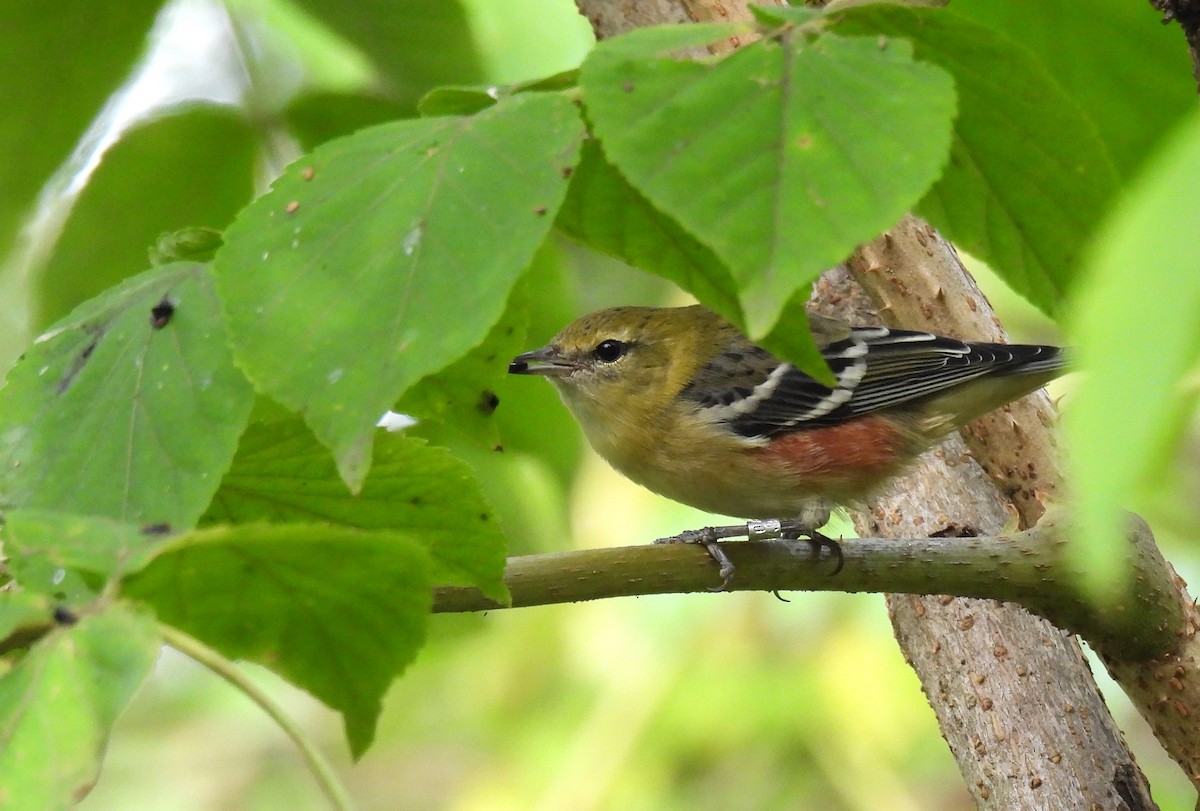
[[197, 244], [456, 101], [463, 395], [1127, 71], [150, 176], [675, 41], [414, 46], [45, 548], [337, 612], [467, 100], [109, 414], [780, 157], [778, 16], [605, 213], [385, 256], [59, 702], [531, 418], [59, 62], [1133, 318], [282, 475], [792, 338], [24, 618], [315, 118], [1029, 177]]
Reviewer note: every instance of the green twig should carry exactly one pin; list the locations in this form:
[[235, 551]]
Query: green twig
[[326, 778]]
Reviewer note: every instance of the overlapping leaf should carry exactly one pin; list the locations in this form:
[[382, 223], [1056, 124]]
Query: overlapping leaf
[[163, 161], [1119, 63], [463, 395], [338, 612], [24, 618], [780, 157], [1029, 177], [608, 215], [49, 99], [282, 474], [384, 256], [73, 556]]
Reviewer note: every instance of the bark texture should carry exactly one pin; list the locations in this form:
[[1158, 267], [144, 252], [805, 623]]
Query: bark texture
[[915, 278], [1013, 695]]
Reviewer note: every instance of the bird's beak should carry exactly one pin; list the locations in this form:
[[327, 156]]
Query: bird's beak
[[545, 361]]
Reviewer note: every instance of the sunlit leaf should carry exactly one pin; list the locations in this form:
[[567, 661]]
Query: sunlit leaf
[[1137, 335]]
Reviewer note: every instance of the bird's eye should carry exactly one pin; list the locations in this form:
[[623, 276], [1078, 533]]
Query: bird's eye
[[608, 351]]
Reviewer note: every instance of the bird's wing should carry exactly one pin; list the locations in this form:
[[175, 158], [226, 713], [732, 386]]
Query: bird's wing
[[876, 368]]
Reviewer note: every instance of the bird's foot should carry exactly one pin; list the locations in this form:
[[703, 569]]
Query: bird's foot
[[818, 541], [710, 537]]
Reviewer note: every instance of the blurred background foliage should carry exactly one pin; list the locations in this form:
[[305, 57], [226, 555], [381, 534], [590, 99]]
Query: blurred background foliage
[[728, 701]]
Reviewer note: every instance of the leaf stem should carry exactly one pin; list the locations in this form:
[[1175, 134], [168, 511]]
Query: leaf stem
[[321, 769]]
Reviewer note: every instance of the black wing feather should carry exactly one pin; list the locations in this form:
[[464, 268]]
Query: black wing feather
[[876, 368]]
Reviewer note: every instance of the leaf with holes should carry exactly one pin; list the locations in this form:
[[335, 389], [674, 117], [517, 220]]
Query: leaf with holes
[[129, 408], [73, 556], [58, 704], [385, 256]]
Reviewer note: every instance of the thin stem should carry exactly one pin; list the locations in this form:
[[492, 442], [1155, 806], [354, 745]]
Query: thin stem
[[326, 777]]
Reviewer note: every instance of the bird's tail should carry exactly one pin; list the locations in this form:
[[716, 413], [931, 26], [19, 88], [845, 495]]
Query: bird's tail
[[1015, 371]]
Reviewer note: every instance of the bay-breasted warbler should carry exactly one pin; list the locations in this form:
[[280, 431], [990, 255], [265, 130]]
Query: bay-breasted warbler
[[679, 401]]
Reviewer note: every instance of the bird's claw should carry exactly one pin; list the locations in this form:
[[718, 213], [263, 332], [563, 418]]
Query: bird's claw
[[818, 541], [710, 537]]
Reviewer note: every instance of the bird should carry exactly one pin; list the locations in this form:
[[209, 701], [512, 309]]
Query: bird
[[680, 401]]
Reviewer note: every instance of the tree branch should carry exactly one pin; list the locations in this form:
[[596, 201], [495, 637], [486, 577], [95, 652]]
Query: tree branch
[[1028, 568]]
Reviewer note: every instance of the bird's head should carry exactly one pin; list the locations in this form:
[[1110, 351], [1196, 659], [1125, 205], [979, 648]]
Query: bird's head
[[625, 352]]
